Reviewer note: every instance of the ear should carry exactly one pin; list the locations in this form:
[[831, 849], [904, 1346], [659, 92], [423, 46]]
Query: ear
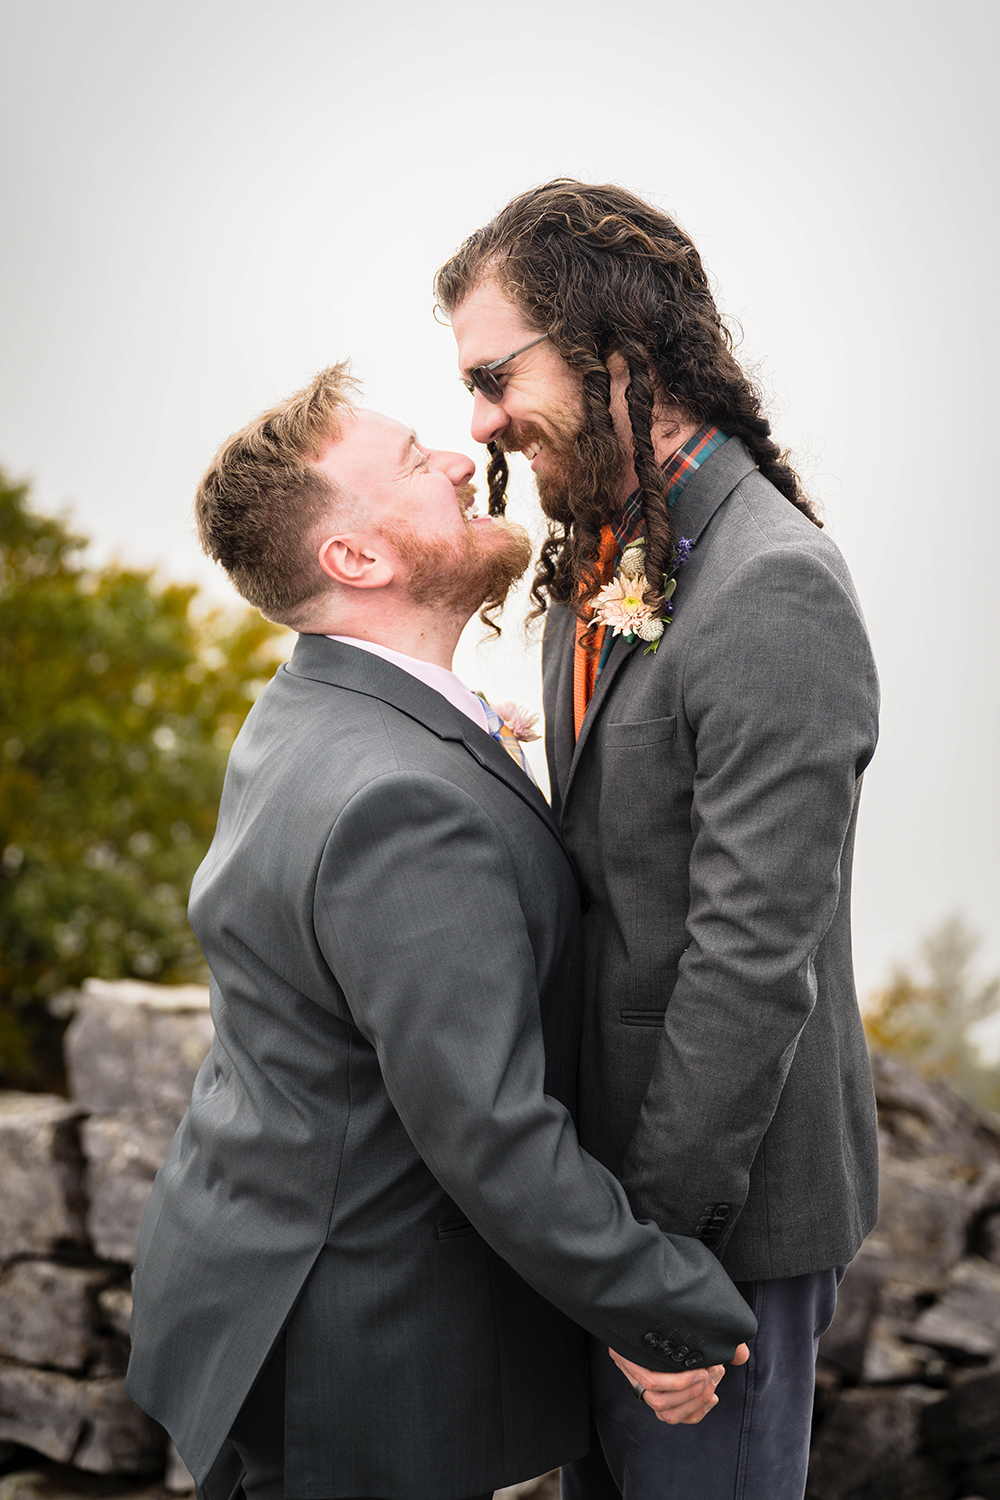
[[355, 561]]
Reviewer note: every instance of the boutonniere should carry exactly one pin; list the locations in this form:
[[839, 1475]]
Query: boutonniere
[[518, 720], [620, 604]]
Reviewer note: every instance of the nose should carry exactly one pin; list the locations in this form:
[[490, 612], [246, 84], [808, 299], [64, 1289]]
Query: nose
[[489, 419], [457, 467]]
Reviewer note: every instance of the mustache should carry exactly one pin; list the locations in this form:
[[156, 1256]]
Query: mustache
[[515, 438]]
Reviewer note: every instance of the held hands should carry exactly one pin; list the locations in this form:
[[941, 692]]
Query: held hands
[[685, 1397]]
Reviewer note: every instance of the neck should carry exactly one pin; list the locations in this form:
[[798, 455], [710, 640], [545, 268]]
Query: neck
[[428, 634]]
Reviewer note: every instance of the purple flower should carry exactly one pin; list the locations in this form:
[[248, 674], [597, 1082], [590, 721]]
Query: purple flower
[[683, 552]]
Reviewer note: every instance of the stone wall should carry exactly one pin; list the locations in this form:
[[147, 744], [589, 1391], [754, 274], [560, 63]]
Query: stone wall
[[908, 1404], [75, 1178]]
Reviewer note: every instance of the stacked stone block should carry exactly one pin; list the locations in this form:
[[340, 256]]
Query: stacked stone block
[[74, 1179], [909, 1373], [909, 1381]]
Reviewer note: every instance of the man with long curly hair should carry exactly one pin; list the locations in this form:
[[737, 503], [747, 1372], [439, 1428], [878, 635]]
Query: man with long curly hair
[[711, 705]]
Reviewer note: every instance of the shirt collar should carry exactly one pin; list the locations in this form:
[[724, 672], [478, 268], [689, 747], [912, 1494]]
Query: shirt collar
[[677, 470]]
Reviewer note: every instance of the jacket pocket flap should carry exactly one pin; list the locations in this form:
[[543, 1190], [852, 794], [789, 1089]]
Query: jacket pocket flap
[[646, 732]]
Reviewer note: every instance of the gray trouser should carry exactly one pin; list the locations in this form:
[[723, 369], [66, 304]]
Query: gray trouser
[[258, 1433], [753, 1446]]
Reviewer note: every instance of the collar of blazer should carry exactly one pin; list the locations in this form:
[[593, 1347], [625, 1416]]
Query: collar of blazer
[[323, 660], [697, 503]]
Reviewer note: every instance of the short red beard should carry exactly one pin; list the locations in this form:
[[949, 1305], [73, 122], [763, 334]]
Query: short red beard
[[457, 577]]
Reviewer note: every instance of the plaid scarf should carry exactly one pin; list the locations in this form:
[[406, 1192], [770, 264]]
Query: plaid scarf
[[615, 537]]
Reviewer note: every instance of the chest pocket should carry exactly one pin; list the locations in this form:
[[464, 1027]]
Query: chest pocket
[[630, 736]]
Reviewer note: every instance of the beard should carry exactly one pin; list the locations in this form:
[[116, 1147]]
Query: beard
[[582, 468], [461, 577]]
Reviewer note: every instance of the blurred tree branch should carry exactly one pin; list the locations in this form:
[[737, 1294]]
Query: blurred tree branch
[[118, 705], [928, 1019]]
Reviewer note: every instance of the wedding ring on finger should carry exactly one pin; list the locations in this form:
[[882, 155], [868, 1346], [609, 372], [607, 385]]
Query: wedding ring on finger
[[638, 1391]]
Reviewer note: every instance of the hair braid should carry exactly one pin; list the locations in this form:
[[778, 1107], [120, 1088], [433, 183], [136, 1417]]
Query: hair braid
[[497, 474], [601, 272]]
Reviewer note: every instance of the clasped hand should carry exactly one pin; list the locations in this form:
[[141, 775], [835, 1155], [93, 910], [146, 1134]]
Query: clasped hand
[[684, 1397]]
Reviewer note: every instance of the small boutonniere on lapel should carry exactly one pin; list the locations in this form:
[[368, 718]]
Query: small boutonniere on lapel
[[620, 604], [518, 720]]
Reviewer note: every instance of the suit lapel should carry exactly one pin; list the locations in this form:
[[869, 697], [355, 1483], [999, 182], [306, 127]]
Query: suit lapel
[[321, 659]]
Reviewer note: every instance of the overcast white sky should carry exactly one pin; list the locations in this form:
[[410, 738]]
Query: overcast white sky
[[207, 200]]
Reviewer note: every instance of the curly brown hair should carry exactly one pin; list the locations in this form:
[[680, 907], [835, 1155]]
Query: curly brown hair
[[600, 272]]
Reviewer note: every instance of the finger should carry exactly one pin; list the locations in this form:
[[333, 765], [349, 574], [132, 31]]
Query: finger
[[742, 1354], [686, 1413], [662, 1401], [659, 1379]]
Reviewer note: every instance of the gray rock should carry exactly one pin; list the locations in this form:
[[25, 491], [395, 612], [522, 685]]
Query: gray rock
[[41, 1171], [54, 1482], [965, 1426], [966, 1319], [891, 1360], [926, 1118], [983, 1479], [49, 1313], [116, 1309], [89, 1423], [176, 1479], [545, 1487], [845, 1341], [124, 1152], [137, 1047], [922, 1219], [867, 1449], [987, 1243]]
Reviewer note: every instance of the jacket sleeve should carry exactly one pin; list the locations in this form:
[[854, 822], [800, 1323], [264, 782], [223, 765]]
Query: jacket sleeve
[[418, 914], [781, 693]]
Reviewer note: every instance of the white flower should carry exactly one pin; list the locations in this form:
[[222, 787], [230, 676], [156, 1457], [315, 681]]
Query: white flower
[[620, 604], [519, 721]]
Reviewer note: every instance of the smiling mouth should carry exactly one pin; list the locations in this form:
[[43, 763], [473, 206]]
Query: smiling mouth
[[467, 502]]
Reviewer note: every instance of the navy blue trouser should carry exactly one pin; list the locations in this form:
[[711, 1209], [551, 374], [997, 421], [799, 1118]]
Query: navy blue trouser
[[753, 1446]]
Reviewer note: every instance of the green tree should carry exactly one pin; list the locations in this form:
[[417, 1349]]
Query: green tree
[[928, 1018], [119, 701]]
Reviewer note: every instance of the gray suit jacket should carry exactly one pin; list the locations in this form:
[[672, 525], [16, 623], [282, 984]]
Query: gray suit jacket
[[378, 1156], [710, 805]]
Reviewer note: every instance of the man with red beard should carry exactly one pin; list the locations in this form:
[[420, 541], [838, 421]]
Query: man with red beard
[[366, 1260], [710, 702]]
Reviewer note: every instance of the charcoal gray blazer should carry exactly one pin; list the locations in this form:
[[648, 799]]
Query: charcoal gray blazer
[[710, 806], [379, 1157]]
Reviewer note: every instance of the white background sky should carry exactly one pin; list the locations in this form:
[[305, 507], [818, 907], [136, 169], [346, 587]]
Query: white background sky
[[206, 201]]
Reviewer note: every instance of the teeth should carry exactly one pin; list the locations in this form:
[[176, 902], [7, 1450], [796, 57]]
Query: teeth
[[532, 450]]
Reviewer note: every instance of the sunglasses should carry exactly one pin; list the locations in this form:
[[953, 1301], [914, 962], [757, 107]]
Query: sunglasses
[[482, 378]]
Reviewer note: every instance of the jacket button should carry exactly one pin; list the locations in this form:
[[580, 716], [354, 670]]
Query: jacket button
[[681, 1352], [651, 1340], [694, 1359]]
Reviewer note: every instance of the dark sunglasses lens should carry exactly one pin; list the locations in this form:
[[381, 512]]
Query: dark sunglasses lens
[[484, 380]]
